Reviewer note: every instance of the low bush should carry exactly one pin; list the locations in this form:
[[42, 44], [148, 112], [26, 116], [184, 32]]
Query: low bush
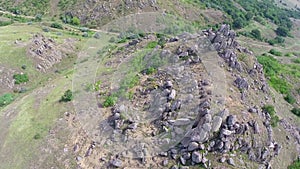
[[68, 96], [6, 99], [20, 78], [296, 111], [56, 25], [110, 101], [290, 98], [275, 52]]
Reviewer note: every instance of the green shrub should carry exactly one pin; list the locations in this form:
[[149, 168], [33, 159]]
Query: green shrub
[[68, 96], [296, 60], [276, 40], [56, 25], [110, 101], [256, 34], [75, 21], [20, 78], [290, 98], [296, 111], [271, 111], [6, 99], [37, 136], [275, 52]]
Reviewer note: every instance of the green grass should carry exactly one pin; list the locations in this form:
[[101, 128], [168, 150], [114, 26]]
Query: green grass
[[273, 69], [35, 116], [151, 45]]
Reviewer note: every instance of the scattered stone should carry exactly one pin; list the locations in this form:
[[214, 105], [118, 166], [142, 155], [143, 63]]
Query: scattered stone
[[256, 128], [116, 163], [231, 120], [78, 158], [169, 84], [196, 157], [165, 162], [182, 160], [133, 126], [226, 132], [174, 167], [172, 95], [216, 123], [193, 146], [222, 160], [230, 161], [241, 83], [207, 127], [181, 122]]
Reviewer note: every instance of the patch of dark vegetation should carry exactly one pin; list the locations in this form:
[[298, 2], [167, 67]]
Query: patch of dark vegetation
[[67, 97], [6, 99], [37, 136], [56, 25], [110, 101], [296, 111], [275, 52], [290, 98], [20, 78]]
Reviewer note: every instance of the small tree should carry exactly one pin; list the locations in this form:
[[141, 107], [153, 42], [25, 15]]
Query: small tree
[[68, 96]]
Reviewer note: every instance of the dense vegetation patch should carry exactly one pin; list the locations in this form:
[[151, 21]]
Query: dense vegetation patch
[[273, 69], [110, 101], [21, 78], [68, 96], [275, 52], [296, 111], [6, 99]]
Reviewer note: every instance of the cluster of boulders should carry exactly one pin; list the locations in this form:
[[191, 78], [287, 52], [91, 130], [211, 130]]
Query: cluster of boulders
[[119, 121], [45, 52], [226, 45], [101, 12]]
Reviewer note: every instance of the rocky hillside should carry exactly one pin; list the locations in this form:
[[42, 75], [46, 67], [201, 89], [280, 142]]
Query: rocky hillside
[[203, 105], [149, 84]]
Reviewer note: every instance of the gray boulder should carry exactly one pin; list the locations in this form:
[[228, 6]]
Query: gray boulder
[[196, 157]]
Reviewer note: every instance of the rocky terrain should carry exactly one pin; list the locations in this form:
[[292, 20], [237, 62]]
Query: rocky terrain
[[149, 84], [187, 117]]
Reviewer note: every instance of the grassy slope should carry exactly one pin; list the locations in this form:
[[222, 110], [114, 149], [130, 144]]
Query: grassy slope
[[34, 112]]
